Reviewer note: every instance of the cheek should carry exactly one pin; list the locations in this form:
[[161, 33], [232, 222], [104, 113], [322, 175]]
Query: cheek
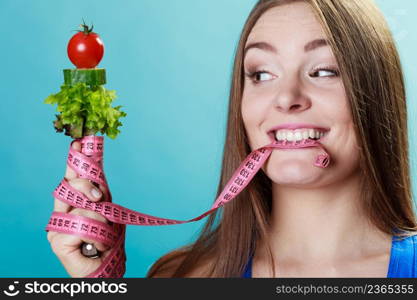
[[342, 140], [342, 144], [340, 106], [344, 147], [253, 114]]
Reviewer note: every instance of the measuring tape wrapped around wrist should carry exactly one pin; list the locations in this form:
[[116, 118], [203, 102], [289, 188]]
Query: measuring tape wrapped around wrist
[[89, 164]]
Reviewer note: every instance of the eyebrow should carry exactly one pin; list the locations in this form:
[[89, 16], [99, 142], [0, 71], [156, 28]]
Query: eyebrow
[[314, 44]]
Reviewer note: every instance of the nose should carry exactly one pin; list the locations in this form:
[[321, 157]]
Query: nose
[[291, 97]]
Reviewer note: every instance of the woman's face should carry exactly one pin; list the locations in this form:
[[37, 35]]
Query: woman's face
[[292, 78]]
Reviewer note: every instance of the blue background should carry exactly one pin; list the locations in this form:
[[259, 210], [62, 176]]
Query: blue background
[[170, 63]]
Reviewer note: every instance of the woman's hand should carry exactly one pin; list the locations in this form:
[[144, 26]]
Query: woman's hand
[[68, 247]]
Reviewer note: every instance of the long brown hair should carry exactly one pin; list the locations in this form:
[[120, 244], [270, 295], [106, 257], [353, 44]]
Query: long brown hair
[[371, 71]]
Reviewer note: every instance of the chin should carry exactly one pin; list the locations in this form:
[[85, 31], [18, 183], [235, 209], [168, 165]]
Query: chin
[[295, 173]]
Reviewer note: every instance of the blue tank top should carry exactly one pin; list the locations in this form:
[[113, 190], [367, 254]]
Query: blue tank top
[[402, 264]]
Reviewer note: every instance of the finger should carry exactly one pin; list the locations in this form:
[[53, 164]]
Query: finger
[[61, 206], [84, 265], [50, 235], [84, 186], [103, 190], [88, 214], [87, 188], [70, 173]]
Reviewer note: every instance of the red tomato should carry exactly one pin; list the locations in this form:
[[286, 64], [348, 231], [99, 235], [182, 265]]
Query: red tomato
[[85, 49]]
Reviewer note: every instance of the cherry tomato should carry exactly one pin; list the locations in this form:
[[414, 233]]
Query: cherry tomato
[[85, 48]]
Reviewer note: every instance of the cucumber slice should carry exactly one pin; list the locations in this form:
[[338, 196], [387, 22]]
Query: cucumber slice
[[88, 76]]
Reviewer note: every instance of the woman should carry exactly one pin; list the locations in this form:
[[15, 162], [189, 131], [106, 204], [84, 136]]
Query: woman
[[309, 69]]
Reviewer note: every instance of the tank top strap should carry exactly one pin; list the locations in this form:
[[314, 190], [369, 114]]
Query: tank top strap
[[248, 269], [403, 258]]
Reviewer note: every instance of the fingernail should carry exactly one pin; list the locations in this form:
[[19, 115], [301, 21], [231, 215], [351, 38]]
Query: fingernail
[[96, 193]]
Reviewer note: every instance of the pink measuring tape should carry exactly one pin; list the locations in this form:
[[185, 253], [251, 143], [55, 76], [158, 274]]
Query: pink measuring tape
[[89, 164]]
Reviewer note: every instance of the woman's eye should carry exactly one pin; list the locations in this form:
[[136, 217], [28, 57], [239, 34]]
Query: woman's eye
[[259, 76], [325, 73]]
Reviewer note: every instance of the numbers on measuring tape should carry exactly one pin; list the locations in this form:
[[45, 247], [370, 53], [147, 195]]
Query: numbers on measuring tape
[[85, 166], [70, 196], [84, 227], [124, 216], [227, 196], [79, 200], [256, 156], [93, 171], [132, 218], [88, 205], [244, 173], [221, 203], [94, 229], [62, 191], [239, 181], [76, 162], [233, 189], [250, 165], [74, 225]]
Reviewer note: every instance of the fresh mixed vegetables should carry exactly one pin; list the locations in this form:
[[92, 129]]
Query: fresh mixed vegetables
[[84, 105]]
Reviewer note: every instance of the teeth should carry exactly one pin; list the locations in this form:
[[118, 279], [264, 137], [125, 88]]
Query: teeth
[[298, 134], [311, 133]]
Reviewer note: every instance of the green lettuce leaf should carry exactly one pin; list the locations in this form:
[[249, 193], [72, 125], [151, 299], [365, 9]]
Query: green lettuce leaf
[[86, 110]]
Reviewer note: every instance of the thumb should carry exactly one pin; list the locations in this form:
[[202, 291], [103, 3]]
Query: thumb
[[77, 265], [67, 248]]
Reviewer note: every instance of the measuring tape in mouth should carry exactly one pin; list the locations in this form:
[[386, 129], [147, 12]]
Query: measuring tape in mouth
[[88, 164]]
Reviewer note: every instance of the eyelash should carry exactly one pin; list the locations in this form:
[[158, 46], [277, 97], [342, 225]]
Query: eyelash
[[252, 75]]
